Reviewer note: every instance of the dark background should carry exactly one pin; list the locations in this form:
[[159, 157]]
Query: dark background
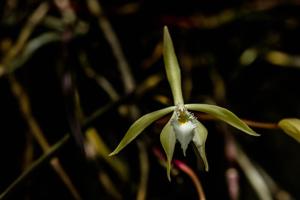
[[209, 36]]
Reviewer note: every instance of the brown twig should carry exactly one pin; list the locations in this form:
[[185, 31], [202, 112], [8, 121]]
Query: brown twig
[[262, 125]]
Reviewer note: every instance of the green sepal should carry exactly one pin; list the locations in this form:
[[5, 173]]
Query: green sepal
[[224, 115], [138, 126], [168, 141]]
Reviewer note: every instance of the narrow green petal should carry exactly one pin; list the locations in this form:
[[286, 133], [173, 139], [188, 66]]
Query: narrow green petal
[[224, 115], [168, 141], [199, 140], [172, 68], [291, 126], [138, 126]]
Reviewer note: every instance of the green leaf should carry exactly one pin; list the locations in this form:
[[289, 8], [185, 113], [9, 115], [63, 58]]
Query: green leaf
[[199, 140], [168, 141], [138, 126], [224, 115], [291, 126], [172, 68]]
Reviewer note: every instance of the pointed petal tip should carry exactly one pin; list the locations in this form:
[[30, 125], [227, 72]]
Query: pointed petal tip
[[167, 36], [169, 177], [253, 133], [169, 171], [112, 153], [184, 151], [206, 168], [166, 28]]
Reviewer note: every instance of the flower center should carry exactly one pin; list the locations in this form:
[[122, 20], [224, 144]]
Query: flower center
[[182, 115]]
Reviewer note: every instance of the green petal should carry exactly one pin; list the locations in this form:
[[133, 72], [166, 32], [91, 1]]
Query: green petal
[[138, 126], [168, 141], [224, 115], [291, 126], [199, 140], [172, 68]]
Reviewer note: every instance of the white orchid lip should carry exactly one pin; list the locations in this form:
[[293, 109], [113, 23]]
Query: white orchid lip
[[183, 126]]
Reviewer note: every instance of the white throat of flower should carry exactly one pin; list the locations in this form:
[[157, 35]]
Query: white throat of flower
[[183, 126]]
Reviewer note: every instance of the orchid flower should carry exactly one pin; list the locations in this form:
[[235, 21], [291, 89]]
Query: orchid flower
[[182, 126]]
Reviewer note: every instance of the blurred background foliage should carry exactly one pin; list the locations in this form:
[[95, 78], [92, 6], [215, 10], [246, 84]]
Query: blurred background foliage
[[89, 68]]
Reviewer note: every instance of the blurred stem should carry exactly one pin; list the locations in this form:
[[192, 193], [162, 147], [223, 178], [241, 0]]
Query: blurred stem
[[98, 145], [146, 85], [144, 167], [187, 76], [232, 179], [110, 35], [109, 185], [126, 75], [253, 176], [25, 108], [28, 152], [155, 56], [277, 192], [24, 35], [219, 89], [33, 167], [30, 48], [186, 169], [227, 16], [262, 125], [101, 80], [18, 92], [66, 10]]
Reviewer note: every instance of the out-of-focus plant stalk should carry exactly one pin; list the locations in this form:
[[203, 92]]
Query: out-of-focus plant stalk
[[35, 129], [184, 168], [24, 35], [110, 35], [101, 80], [144, 167], [33, 167], [254, 177], [126, 75]]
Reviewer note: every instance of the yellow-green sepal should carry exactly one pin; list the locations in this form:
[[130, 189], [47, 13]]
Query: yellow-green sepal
[[138, 126], [223, 115], [291, 126], [168, 141], [172, 67]]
